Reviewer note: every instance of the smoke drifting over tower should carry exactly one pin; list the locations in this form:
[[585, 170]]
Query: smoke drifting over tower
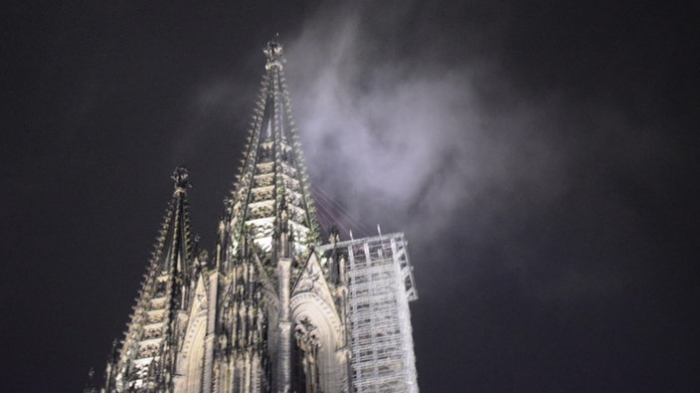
[[273, 310]]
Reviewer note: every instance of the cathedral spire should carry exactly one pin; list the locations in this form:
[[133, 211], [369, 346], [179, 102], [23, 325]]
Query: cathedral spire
[[280, 312], [272, 200], [152, 333]]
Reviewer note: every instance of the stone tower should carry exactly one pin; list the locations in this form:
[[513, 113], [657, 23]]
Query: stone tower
[[274, 310]]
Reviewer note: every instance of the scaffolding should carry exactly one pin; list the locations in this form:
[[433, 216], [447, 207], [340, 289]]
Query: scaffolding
[[380, 286]]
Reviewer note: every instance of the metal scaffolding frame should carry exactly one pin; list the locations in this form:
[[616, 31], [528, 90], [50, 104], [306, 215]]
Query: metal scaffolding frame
[[380, 285]]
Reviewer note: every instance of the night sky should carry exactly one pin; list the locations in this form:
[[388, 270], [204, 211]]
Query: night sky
[[539, 156]]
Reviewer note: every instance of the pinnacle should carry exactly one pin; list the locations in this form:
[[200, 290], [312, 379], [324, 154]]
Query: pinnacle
[[273, 52], [181, 177]]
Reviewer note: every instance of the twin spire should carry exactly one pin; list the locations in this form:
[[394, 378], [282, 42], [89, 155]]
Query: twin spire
[[269, 214], [272, 196], [152, 331], [274, 312]]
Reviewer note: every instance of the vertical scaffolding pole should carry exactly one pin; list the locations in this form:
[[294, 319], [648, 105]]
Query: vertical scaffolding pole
[[380, 287]]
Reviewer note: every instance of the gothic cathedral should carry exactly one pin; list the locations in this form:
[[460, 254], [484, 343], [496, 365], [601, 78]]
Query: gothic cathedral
[[273, 309]]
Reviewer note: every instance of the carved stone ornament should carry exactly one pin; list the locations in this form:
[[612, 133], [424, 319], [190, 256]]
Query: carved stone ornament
[[308, 340]]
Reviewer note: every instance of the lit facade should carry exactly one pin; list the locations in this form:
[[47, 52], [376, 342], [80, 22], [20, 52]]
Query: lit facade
[[273, 309]]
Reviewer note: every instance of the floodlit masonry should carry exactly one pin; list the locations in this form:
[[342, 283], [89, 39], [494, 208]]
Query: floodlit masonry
[[273, 309]]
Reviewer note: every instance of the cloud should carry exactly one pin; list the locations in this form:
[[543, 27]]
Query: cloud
[[451, 150], [424, 139], [403, 135]]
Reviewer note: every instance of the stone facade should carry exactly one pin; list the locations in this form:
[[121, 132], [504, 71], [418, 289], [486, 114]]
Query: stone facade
[[271, 310]]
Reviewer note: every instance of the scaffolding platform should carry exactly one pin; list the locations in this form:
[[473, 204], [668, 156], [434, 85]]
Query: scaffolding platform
[[380, 285]]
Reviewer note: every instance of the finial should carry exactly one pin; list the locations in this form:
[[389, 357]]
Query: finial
[[273, 52], [181, 177]]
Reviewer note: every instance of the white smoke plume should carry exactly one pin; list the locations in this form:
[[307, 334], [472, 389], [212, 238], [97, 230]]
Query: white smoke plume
[[452, 154], [424, 133], [410, 139]]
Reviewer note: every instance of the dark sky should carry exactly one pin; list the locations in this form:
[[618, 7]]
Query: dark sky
[[539, 156]]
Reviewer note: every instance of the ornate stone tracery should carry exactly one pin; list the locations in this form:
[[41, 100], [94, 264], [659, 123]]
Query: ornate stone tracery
[[271, 311], [308, 341]]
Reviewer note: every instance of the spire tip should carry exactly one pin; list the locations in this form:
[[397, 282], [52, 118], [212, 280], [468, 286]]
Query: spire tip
[[273, 52], [181, 177]]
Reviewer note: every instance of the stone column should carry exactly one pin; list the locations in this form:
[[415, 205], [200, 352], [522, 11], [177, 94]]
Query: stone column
[[284, 350], [212, 302]]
